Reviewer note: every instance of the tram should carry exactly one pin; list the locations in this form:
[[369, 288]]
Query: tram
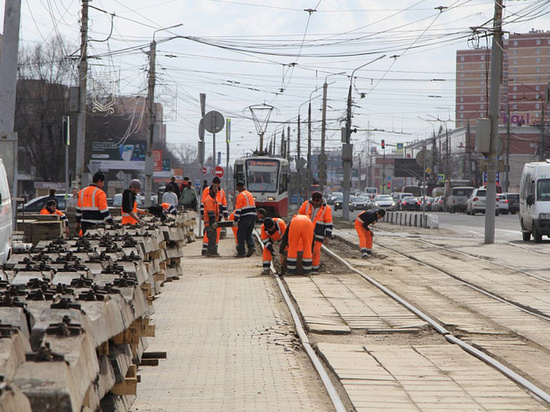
[[267, 179]]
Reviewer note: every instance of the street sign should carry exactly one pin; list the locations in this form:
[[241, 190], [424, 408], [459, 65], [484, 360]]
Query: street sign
[[213, 122], [204, 170], [218, 171]]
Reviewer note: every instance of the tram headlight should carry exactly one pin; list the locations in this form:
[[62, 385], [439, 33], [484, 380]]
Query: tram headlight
[[270, 198]]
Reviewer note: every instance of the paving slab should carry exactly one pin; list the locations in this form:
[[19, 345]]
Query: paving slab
[[229, 343]]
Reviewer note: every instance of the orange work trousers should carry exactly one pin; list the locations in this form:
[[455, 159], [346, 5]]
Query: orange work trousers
[[365, 237], [316, 256], [300, 236]]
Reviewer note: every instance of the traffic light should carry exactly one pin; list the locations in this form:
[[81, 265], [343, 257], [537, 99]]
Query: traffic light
[[383, 144], [389, 185]]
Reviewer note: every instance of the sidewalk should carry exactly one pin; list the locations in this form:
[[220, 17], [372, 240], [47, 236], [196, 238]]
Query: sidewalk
[[230, 343]]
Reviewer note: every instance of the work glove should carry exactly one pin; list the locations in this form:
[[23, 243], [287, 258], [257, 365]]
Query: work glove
[[215, 225]]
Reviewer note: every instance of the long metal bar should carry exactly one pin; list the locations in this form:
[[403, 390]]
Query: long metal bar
[[317, 364]]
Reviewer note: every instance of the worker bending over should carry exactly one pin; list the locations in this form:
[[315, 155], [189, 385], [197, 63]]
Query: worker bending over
[[129, 209], [272, 231], [299, 238], [364, 232], [317, 210], [222, 202], [211, 218], [51, 209]]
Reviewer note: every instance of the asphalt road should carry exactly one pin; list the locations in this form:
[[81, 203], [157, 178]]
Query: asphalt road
[[506, 226]]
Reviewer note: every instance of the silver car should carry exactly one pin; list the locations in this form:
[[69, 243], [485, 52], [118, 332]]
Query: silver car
[[385, 202]]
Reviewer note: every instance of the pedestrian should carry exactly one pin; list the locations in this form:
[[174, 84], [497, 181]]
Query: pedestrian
[[51, 209], [129, 209], [222, 202], [320, 214], [189, 198], [298, 237], [174, 186], [272, 231], [73, 199], [364, 232], [170, 196], [91, 208], [245, 216], [211, 217], [51, 196]]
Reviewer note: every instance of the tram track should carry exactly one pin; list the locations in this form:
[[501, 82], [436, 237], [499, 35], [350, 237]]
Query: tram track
[[409, 250]]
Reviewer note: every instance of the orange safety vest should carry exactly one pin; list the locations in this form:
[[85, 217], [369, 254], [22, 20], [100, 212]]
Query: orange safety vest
[[322, 221], [127, 219], [220, 198], [92, 206], [244, 205], [211, 205], [268, 238], [57, 212]]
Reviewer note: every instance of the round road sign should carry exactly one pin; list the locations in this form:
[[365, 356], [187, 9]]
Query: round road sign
[[218, 172], [204, 170]]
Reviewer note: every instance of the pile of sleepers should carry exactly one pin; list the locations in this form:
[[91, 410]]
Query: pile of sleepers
[[75, 316]]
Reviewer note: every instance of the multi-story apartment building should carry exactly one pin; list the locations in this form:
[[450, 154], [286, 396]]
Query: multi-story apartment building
[[526, 74]]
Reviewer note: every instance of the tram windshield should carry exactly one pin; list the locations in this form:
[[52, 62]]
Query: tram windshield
[[262, 175]]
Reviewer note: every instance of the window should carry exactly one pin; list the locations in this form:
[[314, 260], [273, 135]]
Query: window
[[462, 82], [515, 61], [482, 65], [538, 70], [461, 107], [461, 67], [514, 52], [515, 43], [537, 87], [482, 57], [515, 70], [481, 107], [461, 74], [514, 106], [538, 60], [537, 106], [537, 51], [461, 99], [515, 88], [538, 42], [482, 98], [461, 58], [483, 82]]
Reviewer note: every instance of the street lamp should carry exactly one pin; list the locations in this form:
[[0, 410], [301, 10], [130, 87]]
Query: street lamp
[[347, 147], [308, 177], [152, 118]]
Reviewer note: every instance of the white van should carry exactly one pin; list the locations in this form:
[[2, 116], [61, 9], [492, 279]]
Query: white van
[[534, 200], [6, 229]]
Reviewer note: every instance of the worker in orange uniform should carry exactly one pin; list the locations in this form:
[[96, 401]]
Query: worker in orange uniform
[[222, 201], [272, 231], [211, 217], [234, 228], [129, 209], [298, 237], [169, 208], [365, 234], [245, 216], [91, 207], [51, 209], [320, 214]]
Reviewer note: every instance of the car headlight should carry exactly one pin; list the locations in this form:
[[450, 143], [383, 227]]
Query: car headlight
[[544, 216], [270, 198], [376, 204], [393, 204]]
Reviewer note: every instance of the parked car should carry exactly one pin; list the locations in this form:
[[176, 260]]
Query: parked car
[[513, 202], [425, 202], [438, 205], [503, 206], [385, 202], [38, 203], [6, 228], [359, 203], [410, 204], [476, 202], [399, 198]]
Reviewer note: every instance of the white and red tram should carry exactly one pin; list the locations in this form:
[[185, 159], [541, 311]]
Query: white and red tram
[[267, 179]]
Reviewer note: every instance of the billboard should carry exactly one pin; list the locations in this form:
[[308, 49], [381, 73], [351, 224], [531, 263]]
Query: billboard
[[112, 155], [407, 168]]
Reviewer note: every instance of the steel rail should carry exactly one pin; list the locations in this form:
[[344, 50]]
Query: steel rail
[[473, 286], [318, 365], [446, 333]]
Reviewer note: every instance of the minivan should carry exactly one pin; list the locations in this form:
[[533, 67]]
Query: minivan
[[6, 216], [534, 200], [457, 199]]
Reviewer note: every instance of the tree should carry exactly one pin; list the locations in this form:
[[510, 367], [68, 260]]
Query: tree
[[41, 101]]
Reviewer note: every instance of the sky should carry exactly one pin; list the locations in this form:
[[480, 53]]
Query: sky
[[263, 54]]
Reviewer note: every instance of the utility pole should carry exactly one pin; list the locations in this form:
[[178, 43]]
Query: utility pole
[[496, 74], [297, 162], [507, 171], [308, 150], [322, 161], [8, 86], [347, 155], [150, 139], [82, 88]]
